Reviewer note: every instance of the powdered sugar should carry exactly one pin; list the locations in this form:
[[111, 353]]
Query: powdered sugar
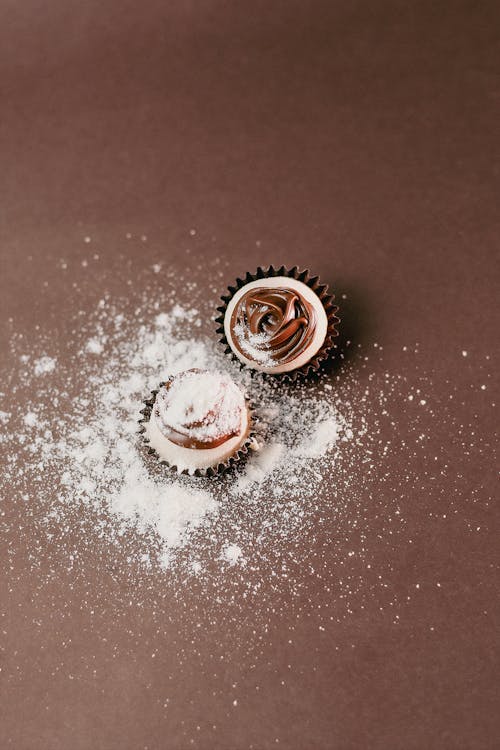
[[95, 346], [266, 460], [233, 554], [323, 438], [170, 510], [30, 419], [253, 344], [44, 365], [200, 405]]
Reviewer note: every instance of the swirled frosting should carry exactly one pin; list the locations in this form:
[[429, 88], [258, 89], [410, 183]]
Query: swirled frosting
[[273, 325], [199, 409]]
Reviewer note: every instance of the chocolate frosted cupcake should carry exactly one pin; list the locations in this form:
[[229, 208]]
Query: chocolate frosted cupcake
[[197, 422], [278, 321]]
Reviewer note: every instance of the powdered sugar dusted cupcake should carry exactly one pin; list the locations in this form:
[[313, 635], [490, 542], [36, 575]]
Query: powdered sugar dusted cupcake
[[198, 422], [278, 321]]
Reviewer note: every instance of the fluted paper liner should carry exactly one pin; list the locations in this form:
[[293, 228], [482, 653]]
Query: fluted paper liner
[[223, 466], [321, 290]]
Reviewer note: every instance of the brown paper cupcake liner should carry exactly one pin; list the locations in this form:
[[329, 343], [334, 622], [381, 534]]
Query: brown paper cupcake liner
[[223, 466], [327, 300]]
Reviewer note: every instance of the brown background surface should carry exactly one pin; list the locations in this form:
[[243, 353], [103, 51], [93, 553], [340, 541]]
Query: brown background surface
[[361, 139]]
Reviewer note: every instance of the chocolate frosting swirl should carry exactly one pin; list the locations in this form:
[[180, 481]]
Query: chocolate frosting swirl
[[272, 326], [199, 409]]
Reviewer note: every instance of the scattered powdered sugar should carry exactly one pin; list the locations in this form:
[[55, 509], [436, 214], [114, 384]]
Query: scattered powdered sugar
[[95, 346], [44, 365], [314, 488], [323, 438], [169, 510], [264, 463], [255, 345], [30, 419], [233, 554]]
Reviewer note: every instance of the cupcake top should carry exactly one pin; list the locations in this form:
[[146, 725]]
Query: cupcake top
[[199, 410], [275, 324]]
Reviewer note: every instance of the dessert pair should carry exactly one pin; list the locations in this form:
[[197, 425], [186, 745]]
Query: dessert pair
[[277, 321]]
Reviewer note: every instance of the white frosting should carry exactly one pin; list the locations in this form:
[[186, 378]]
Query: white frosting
[[190, 459], [281, 282]]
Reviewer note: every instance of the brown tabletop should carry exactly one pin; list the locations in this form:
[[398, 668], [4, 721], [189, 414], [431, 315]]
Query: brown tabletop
[[360, 140]]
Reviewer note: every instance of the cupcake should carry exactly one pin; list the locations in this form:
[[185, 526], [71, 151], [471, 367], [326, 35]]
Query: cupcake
[[278, 321], [198, 422]]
